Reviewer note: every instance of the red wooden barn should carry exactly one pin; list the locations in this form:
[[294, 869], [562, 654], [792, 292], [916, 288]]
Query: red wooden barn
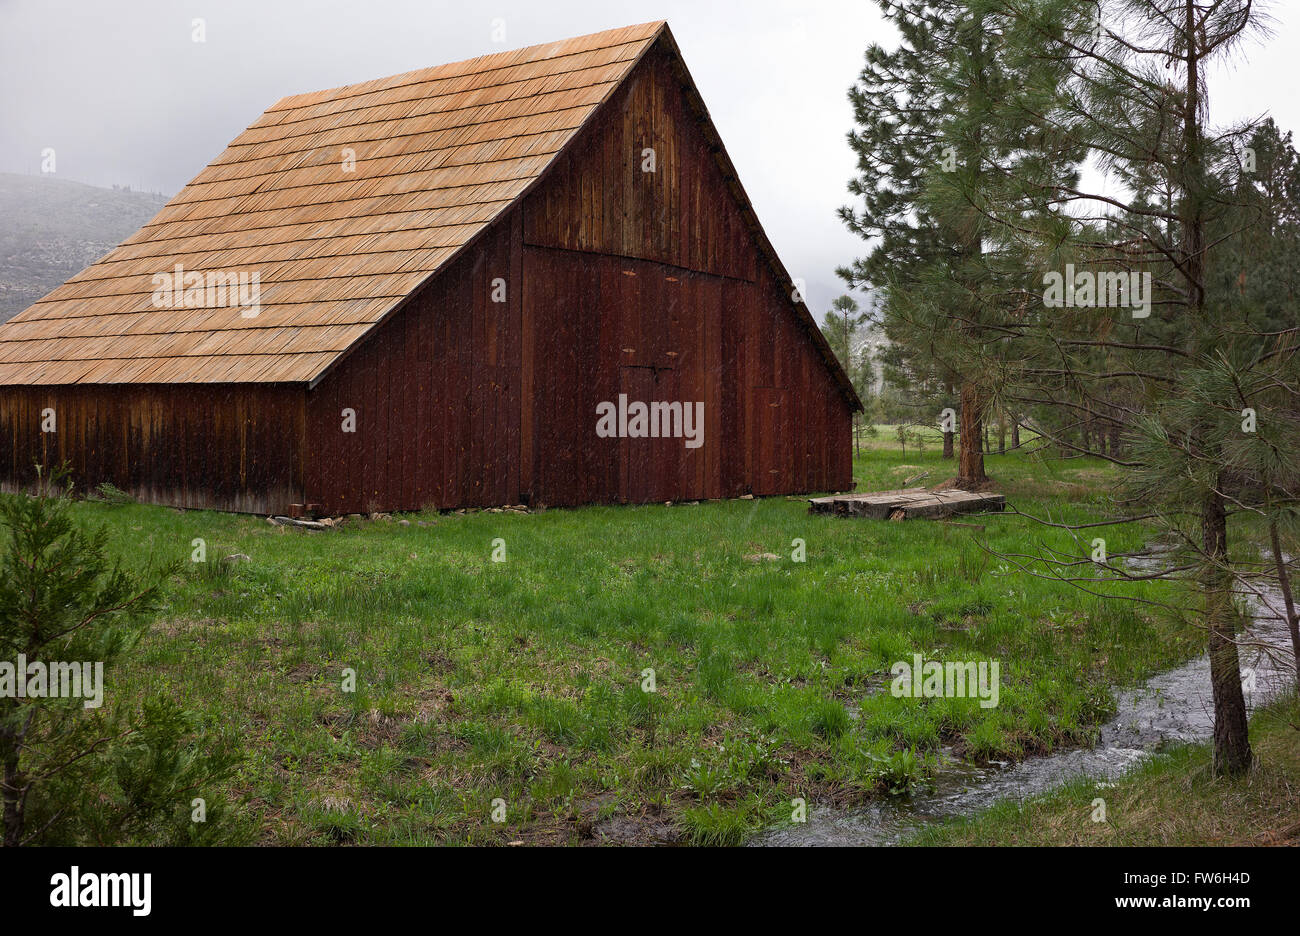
[[452, 287]]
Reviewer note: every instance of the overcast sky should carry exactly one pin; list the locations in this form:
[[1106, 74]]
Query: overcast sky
[[124, 96]]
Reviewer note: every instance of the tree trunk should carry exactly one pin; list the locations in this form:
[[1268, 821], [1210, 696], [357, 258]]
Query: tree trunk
[[970, 466], [1002, 434], [1232, 756], [1015, 434], [12, 783], [948, 433], [1284, 583]]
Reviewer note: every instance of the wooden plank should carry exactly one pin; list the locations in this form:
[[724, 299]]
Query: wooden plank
[[912, 502], [527, 389]]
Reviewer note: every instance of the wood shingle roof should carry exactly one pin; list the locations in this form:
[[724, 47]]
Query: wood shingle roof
[[438, 154]]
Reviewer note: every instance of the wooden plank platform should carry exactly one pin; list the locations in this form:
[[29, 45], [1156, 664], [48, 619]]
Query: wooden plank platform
[[912, 502]]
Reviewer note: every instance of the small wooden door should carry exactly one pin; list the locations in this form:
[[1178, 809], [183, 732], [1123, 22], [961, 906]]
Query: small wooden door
[[648, 467]]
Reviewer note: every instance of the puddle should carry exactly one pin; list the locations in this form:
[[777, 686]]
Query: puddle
[[1172, 707]]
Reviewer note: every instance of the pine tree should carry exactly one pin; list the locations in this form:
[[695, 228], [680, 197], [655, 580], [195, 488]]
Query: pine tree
[[840, 327], [931, 135], [72, 774], [1176, 376]]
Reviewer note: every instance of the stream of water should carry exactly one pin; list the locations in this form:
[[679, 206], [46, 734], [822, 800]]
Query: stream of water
[[1173, 706]]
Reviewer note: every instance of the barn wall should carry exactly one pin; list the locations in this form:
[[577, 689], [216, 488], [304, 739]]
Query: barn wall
[[798, 423], [435, 393], [597, 198], [602, 326], [775, 422], [225, 447], [651, 284]]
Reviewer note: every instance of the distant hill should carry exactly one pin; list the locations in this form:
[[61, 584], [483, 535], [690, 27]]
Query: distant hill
[[51, 228]]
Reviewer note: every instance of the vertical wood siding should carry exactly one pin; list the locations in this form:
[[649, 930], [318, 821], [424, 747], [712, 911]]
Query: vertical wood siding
[[435, 395], [597, 198], [639, 283], [226, 447], [775, 422]]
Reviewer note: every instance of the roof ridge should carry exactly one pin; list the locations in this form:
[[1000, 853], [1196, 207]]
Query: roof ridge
[[632, 34]]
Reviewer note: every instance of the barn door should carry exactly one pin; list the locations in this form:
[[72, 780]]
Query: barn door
[[648, 467], [771, 438]]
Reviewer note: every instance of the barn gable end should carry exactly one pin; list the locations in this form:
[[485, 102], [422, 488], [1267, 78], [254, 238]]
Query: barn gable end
[[660, 284]]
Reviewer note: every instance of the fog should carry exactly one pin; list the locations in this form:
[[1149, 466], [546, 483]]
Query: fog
[[124, 95]]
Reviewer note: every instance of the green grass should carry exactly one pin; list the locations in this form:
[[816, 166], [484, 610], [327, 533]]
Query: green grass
[[520, 682], [1174, 799]]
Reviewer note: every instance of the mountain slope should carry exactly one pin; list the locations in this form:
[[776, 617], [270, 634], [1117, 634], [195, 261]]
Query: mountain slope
[[52, 228]]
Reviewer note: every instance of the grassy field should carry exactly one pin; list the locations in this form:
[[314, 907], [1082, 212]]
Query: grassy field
[[515, 687], [1172, 800]]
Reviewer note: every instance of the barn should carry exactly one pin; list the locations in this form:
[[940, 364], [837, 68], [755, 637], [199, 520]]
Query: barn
[[530, 277]]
